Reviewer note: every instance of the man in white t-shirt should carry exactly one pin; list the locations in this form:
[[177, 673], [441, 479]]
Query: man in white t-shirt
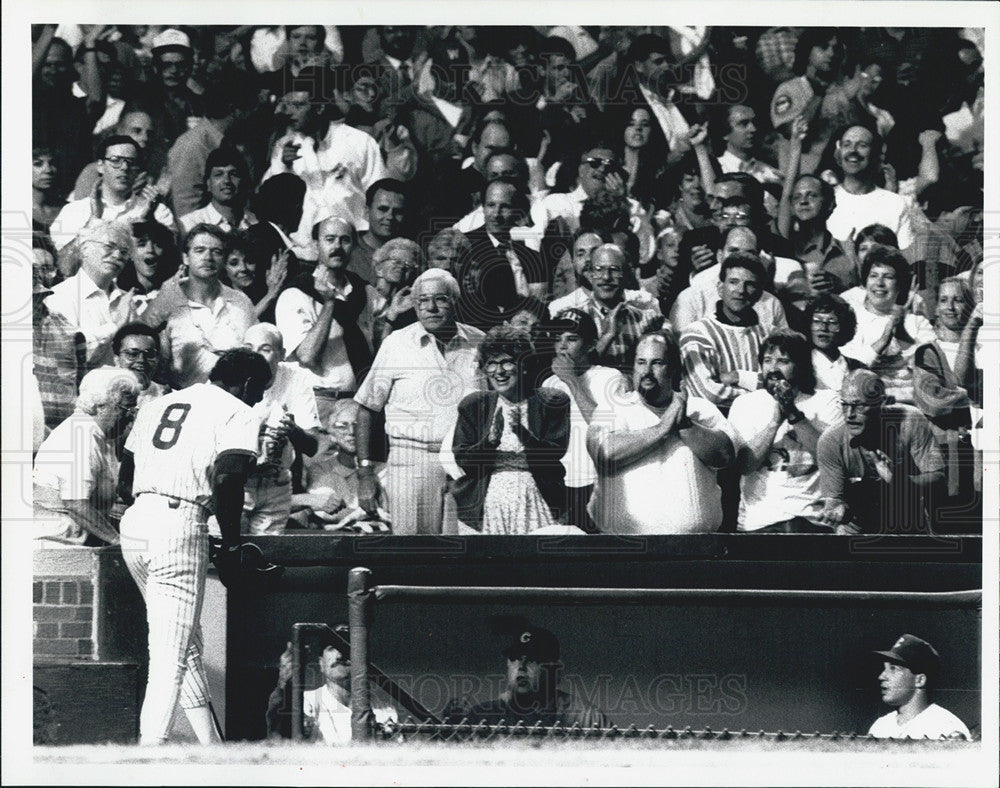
[[594, 390], [664, 446], [909, 671], [859, 201], [289, 410], [778, 427]]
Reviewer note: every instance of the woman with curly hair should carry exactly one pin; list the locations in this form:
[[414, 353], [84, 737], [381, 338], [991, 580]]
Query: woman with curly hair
[[509, 441], [887, 335], [248, 270]]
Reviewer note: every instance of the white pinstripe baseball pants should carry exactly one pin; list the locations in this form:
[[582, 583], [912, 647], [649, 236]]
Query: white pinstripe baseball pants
[[166, 552]]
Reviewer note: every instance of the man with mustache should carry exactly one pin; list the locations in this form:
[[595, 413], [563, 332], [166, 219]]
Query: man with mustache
[[909, 672], [879, 469], [318, 317], [662, 445], [859, 201]]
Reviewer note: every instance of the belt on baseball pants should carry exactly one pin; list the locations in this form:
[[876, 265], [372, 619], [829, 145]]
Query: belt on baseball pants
[[326, 393], [408, 444], [174, 502]]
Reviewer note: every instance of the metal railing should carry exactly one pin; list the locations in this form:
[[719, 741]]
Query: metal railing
[[363, 594]]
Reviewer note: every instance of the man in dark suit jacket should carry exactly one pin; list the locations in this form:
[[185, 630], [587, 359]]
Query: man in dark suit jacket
[[397, 68], [503, 273]]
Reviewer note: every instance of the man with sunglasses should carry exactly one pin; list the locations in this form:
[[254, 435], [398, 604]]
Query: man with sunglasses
[[119, 163], [880, 467], [599, 171]]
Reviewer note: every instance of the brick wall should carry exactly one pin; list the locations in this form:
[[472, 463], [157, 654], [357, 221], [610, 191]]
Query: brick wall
[[63, 616]]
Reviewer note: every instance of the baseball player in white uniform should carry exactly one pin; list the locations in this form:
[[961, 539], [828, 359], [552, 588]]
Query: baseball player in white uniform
[[188, 454]]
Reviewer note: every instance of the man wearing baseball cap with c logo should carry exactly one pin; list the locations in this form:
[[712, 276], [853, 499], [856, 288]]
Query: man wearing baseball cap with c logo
[[909, 672], [532, 695]]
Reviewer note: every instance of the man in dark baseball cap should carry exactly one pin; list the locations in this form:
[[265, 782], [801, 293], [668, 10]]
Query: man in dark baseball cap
[[593, 389], [532, 695], [534, 644], [909, 671]]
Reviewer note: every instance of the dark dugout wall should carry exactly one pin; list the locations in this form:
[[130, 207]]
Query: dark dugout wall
[[781, 665]]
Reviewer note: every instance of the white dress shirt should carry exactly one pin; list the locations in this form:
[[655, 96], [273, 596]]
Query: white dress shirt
[[91, 311]]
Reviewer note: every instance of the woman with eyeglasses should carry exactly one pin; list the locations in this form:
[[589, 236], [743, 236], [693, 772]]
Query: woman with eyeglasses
[[831, 324], [330, 478], [397, 263], [509, 441]]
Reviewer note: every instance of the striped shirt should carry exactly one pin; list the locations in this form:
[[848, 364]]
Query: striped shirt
[[634, 321], [710, 347]]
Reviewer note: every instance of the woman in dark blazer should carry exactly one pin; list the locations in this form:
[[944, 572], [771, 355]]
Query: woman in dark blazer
[[509, 442]]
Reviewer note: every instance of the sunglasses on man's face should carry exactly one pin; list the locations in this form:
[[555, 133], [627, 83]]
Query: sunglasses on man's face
[[596, 162]]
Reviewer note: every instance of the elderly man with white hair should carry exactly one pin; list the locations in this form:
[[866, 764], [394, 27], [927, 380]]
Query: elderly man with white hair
[[90, 300], [76, 468], [287, 411], [419, 376]]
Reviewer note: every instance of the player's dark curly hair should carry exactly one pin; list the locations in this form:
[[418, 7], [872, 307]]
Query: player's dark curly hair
[[134, 330], [605, 213], [797, 348], [236, 367]]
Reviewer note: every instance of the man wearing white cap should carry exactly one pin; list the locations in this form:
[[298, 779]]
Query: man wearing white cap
[[175, 107]]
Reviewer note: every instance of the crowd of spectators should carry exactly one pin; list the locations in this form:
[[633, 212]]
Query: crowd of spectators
[[520, 279]]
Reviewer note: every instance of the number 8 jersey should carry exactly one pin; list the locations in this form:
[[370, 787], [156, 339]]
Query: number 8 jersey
[[177, 438]]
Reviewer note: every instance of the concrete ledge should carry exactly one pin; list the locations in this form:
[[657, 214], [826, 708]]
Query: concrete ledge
[[64, 561]]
